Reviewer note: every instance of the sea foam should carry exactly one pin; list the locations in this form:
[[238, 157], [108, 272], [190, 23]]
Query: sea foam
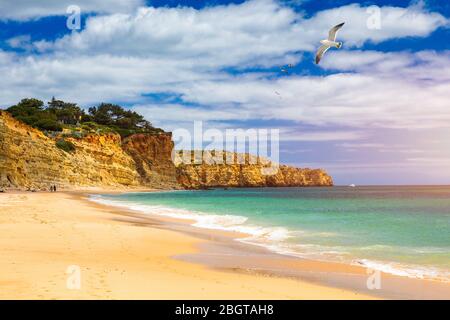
[[232, 223], [274, 239]]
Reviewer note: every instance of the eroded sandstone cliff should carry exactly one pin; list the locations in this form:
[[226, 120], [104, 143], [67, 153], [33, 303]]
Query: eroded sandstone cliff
[[152, 157], [244, 171], [30, 160]]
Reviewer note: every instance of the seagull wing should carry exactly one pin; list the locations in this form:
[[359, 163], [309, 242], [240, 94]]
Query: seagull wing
[[333, 32], [321, 52]]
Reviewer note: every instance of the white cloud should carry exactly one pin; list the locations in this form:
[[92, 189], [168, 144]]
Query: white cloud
[[374, 98], [182, 51], [395, 22], [88, 79], [32, 9], [257, 32], [181, 113], [387, 99], [22, 42], [249, 33], [424, 65], [363, 99]]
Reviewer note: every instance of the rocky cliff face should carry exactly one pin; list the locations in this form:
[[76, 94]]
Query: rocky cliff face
[[152, 158], [30, 160], [249, 171]]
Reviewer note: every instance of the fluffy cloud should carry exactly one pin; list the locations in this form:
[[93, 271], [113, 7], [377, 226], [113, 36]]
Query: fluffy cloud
[[31, 9], [256, 32], [88, 79], [177, 65], [182, 52], [376, 24], [425, 65], [22, 42], [378, 97], [252, 32]]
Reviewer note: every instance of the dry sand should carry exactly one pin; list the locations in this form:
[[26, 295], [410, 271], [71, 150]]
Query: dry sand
[[43, 234]]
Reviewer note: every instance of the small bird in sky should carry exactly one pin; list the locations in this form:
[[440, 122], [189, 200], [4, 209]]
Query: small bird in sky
[[285, 69], [330, 42]]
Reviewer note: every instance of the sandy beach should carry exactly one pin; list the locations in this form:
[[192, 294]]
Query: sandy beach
[[124, 255], [43, 234]]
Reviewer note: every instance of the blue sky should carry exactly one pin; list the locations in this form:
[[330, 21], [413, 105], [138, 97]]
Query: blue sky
[[376, 111]]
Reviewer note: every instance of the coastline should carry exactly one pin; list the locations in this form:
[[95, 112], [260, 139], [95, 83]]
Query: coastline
[[220, 250], [127, 255]]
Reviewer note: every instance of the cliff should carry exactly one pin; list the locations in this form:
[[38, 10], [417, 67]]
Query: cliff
[[250, 171], [152, 155], [31, 160]]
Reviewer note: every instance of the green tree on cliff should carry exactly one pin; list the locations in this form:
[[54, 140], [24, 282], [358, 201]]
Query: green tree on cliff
[[65, 112], [32, 112], [59, 114], [125, 122], [114, 115]]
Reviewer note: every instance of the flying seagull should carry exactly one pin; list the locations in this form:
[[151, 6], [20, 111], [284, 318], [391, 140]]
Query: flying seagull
[[330, 42], [285, 68]]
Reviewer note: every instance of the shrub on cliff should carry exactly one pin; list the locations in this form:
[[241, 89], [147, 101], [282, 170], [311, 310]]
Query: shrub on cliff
[[65, 145], [128, 132], [116, 116], [104, 118], [32, 112], [48, 124], [93, 127]]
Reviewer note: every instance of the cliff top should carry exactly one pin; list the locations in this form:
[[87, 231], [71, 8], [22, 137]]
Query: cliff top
[[60, 116]]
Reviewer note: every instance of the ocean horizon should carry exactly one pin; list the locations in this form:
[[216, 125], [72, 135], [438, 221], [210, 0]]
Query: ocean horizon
[[402, 230]]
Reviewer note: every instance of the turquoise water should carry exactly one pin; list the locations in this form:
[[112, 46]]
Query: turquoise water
[[402, 230]]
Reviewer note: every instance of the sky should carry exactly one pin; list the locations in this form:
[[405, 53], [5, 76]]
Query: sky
[[376, 111]]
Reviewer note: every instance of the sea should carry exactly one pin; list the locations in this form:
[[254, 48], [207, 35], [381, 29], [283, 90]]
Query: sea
[[402, 230]]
